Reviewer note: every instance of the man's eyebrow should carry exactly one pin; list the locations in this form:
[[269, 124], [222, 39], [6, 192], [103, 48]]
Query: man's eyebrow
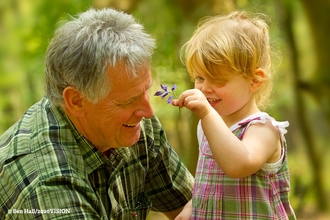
[[147, 88], [139, 95]]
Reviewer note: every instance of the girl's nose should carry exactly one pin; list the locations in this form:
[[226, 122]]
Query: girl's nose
[[205, 86]]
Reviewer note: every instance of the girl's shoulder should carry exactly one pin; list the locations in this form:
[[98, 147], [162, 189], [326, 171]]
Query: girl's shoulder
[[260, 117]]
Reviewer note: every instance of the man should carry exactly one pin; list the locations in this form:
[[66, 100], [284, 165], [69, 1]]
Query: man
[[92, 148]]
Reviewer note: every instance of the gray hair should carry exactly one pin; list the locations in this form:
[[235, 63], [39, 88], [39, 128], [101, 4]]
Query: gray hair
[[83, 48]]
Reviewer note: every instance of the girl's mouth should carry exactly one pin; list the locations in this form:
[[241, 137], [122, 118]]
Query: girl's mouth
[[213, 101]]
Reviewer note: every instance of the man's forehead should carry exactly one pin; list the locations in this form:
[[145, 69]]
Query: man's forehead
[[125, 86], [121, 73]]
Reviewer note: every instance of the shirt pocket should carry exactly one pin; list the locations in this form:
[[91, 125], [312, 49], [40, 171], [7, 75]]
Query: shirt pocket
[[137, 208]]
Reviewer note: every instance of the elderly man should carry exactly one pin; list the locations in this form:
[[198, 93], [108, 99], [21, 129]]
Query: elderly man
[[92, 147]]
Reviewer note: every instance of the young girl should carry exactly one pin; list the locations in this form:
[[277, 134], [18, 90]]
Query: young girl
[[242, 171]]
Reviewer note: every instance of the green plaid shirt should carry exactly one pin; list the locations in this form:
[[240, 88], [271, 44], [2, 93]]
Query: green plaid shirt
[[50, 171]]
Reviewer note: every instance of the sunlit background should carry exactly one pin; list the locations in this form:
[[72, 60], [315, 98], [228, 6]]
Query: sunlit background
[[301, 45]]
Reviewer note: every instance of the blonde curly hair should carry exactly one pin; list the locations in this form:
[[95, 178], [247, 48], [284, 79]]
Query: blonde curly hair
[[238, 42]]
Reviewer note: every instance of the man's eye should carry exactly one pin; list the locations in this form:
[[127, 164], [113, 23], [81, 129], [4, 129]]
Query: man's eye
[[125, 103]]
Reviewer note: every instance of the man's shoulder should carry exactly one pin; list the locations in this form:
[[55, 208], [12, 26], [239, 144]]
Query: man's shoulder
[[16, 140], [28, 132], [38, 135]]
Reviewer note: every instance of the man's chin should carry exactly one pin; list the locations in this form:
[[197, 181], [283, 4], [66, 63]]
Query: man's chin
[[130, 141]]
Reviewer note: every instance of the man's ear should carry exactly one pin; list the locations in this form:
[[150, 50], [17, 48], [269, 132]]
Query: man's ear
[[258, 80], [74, 101]]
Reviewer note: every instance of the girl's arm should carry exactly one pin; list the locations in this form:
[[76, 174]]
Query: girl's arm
[[236, 158]]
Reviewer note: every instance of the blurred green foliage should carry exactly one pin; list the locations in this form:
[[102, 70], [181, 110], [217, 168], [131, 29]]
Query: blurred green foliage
[[26, 26]]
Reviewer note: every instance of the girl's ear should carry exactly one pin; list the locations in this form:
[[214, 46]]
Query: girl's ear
[[74, 101], [258, 80]]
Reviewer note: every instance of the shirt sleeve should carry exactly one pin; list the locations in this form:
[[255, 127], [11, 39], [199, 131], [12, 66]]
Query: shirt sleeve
[[169, 183]]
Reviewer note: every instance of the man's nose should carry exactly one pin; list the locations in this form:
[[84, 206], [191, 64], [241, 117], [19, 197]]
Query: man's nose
[[145, 110]]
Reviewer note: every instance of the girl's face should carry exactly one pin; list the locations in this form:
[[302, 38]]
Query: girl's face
[[233, 98]]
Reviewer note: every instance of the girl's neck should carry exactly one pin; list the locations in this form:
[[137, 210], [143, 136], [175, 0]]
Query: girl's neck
[[239, 115]]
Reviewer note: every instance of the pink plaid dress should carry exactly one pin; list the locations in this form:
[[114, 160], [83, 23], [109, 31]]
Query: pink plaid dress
[[263, 195]]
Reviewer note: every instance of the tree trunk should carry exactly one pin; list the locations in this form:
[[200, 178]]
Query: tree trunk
[[307, 132]]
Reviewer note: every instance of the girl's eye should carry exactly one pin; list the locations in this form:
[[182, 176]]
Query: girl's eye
[[199, 79], [220, 82]]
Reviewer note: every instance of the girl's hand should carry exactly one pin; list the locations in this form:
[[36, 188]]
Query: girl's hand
[[194, 100]]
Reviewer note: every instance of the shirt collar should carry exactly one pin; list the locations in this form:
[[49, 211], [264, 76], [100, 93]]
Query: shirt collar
[[92, 156]]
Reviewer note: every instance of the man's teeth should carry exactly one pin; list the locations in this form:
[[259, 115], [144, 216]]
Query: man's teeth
[[130, 125]]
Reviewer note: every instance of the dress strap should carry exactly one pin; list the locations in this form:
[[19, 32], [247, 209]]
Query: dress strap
[[260, 117]]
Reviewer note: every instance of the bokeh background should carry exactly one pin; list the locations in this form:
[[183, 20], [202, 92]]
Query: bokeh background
[[300, 39]]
